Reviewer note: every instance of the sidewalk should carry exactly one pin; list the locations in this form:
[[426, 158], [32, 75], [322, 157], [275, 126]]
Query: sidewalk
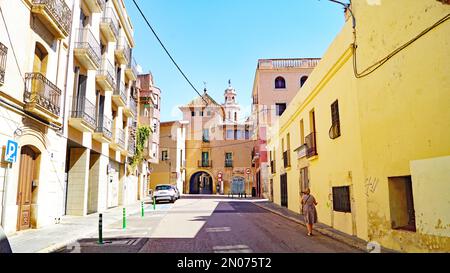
[[319, 227], [70, 229]]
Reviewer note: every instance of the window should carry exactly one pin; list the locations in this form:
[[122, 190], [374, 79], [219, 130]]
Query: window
[[193, 113], [239, 134], [228, 160], [341, 199], [165, 155], [304, 179], [280, 108], [205, 135], [302, 132], [303, 80], [402, 203], [335, 130], [208, 113], [201, 113], [230, 134], [280, 83]]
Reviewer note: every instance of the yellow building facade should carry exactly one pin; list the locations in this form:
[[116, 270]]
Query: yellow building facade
[[372, 144]]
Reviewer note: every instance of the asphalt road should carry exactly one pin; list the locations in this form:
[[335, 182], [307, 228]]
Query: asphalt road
[[197, 225]]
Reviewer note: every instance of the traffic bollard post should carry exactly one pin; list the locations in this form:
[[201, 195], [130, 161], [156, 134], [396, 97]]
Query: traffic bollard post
[[154, 203], [100, 229], [124, 222], [142, 209]]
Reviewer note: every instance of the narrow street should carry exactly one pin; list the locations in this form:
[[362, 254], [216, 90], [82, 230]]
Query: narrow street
[[210, 225]]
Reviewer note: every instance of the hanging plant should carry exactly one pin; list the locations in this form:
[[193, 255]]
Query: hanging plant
[[142, 136]]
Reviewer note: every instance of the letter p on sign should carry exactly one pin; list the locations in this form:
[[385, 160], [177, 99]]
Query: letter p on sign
[[11, 151]]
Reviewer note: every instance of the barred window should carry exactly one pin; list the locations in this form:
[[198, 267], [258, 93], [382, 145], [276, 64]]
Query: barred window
[[341, 199]]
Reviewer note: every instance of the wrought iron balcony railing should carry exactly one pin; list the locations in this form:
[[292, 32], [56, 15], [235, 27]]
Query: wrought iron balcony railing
[[83, 109], [87, 41], [133, 107], [105, 127], [205, 163], [110, 18], [133, 66], [40, 91], [310, 141], [3, 55], [122, 46], [120, 137], [108, 71], [121, 91], [59, 12], [286, 159], [228, 163], [132, 146]]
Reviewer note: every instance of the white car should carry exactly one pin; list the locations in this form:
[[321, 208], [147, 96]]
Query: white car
[[165, 193]]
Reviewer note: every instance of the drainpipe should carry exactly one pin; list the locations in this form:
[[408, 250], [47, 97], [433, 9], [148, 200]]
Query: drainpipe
[[69, 51], [5, 181]]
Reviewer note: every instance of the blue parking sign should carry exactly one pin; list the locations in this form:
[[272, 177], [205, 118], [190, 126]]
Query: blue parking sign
[[11, 151]]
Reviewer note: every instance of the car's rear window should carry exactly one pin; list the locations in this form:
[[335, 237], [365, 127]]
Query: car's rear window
[[163, 188]]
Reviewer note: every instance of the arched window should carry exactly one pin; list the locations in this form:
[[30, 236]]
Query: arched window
[[280, 83], [303, 80]]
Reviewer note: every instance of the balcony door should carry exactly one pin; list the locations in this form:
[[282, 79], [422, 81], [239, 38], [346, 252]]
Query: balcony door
[[81, 94], [205, 159], [100, 110], [40, 59]]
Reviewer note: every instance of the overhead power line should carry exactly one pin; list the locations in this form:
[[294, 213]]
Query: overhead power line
[[167, 52]]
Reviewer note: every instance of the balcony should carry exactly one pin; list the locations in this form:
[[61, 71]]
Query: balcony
[[123, 51], [109, 25], [120, 95], [228, 163], [3, 55], [131, 109], [131, 147], [105, 76], [119, 139], [95, 6], [55, 15], [131, 70], [87, 49], [286, 159], [311, 148], [83, 115], [42, 97], [103, 133], [205, 163]]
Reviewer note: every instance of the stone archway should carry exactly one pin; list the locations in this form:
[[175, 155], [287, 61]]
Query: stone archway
[[201, 183]]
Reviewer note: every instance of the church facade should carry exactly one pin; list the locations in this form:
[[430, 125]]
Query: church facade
[[219, 146]]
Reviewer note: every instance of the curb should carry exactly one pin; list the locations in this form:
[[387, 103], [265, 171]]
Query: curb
[[57, 246], [322, 231]]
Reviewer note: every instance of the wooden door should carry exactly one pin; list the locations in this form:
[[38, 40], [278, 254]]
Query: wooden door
[[24, 195]]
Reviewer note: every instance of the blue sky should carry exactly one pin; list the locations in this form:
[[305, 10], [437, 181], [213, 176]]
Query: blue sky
[[217, 40]]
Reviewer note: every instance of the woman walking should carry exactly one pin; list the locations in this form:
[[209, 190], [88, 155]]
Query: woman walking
[[309, 210]]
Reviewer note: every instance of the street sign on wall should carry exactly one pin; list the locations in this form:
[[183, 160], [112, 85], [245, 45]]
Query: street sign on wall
[[12, 148]]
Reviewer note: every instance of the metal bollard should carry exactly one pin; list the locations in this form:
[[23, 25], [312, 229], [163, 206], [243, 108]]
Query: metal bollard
[[154, 203], [124, 222], [100, 229], [142, 209]]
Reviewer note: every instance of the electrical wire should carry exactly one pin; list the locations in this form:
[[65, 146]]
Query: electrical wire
[[369, 70], [167, 52]]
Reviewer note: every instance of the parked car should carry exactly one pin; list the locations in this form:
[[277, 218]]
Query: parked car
[[178, 196], [165, 193]]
